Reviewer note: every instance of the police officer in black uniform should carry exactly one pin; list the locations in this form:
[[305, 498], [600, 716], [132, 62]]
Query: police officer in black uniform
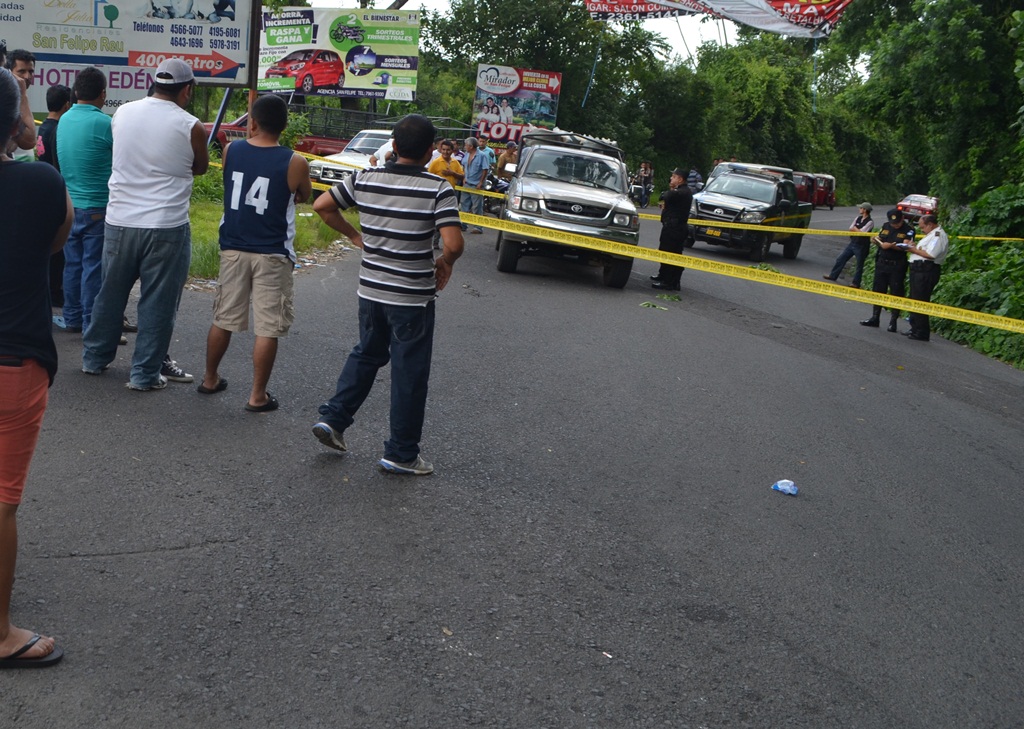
[[675, 213], [891, 263]]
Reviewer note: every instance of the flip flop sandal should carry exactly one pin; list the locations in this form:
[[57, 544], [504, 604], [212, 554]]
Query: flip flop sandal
[[15, 661], [221, 386], [270, 404]]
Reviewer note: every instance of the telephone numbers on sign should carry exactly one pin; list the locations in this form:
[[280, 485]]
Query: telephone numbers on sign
[[636, 16], [179, 42]]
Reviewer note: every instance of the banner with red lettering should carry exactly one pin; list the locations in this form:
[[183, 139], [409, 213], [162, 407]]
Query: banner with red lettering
[[510, 101], [796, 18]]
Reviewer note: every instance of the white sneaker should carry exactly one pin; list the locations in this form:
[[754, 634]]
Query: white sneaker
[[329, 437], [419, 467]]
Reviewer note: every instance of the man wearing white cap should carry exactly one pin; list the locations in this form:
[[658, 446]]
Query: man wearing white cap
[[158, 149]]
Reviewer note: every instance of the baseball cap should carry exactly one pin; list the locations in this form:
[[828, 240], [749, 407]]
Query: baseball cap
[[173, 71], [894, 215], [679, 171], [511, 145], [866, 206]]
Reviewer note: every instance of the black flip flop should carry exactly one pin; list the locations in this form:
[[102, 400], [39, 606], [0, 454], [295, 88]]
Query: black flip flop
[[221, 386], [270, 404], [15, 661]]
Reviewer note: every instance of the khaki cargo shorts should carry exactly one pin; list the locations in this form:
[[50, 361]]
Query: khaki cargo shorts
[[265, 279]]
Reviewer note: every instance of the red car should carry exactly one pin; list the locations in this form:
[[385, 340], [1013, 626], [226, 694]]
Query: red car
[[914, 206], [312, 69], [238, 129]]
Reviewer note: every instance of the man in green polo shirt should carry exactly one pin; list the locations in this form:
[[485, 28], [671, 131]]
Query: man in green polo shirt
[[85, 147]]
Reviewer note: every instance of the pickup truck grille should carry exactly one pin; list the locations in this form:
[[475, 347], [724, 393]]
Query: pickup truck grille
[[715, 212], [564, 207]]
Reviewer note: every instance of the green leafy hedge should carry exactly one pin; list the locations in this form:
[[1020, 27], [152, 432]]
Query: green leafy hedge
[[984, 275]]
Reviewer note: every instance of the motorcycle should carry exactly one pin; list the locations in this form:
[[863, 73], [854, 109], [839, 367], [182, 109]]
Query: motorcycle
[[494, 183], [639, 194]]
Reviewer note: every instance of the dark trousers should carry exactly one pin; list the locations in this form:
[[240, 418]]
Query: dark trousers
[[856, 248], [924, 276], [671, 241], [403, 335], [57, 278], [889, 279]]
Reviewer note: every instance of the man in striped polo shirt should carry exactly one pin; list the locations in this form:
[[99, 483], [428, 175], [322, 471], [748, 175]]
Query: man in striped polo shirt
[[400, 206]]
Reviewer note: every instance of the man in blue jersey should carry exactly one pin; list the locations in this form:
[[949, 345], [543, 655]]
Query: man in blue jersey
[[262, 183], [400, 206]]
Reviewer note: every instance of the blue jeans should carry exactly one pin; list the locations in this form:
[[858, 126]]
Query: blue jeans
[[856, 247], [403, 335], [473, 204], [83, 259], [159, 259]]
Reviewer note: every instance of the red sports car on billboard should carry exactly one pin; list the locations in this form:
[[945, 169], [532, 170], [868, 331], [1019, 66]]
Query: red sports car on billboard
[[312, 69]]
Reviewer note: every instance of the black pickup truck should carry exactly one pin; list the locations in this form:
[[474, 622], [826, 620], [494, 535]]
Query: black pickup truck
[[750, 197]]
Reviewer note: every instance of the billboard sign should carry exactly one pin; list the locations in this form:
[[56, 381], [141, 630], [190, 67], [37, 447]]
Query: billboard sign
[[510, 101], [364, 52], [128, 39], [631, 11]]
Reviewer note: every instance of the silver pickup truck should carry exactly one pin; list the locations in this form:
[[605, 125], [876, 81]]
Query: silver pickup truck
[[575, 184]]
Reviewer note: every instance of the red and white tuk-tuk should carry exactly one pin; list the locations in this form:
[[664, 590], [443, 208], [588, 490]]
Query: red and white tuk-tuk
[[825, 193], [805, 183]]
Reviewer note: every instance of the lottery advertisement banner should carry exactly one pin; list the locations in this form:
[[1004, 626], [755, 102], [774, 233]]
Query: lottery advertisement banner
[[365, 52], [128, 39], [511, 101]]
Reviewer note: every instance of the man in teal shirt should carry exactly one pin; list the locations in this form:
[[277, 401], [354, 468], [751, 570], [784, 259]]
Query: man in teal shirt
[[84, 151]]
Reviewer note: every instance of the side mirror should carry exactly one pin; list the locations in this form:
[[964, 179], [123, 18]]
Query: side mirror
[[784, 204]]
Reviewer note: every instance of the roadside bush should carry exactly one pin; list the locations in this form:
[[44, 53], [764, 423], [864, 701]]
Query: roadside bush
[[986, 276], [209, 187], [296, 131]]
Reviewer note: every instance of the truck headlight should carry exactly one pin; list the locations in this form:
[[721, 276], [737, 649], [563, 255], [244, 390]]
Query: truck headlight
[[622, 219], [693, 209], [525, 203], [752, 218]]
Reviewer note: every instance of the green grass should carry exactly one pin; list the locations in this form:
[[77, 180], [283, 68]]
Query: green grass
[[205, 215]]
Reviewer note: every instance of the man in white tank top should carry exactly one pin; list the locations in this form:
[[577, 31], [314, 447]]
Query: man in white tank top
[[158, 149]]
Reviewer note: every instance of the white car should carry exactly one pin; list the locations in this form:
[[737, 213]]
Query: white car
[[355, 156]]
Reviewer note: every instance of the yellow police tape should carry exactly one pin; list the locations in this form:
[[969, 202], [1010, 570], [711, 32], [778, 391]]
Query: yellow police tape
[[742, 272], [750, 274]]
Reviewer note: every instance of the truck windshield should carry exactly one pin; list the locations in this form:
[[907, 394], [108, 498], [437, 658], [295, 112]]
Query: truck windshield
[[558, 164], [366, 143], [749, 188]]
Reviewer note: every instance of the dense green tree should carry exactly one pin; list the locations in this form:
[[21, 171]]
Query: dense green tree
[[940, 74], [761, 101]]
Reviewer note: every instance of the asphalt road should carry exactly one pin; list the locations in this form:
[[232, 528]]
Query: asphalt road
[[599, 546]]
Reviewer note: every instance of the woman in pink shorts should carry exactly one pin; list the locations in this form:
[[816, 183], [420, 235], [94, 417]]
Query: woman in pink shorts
[[37, 215]]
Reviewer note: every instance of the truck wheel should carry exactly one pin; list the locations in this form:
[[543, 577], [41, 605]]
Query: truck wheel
[[508, 256], [688, 243], [792, 246], [616, 273], [760, 250], [307, 84]]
